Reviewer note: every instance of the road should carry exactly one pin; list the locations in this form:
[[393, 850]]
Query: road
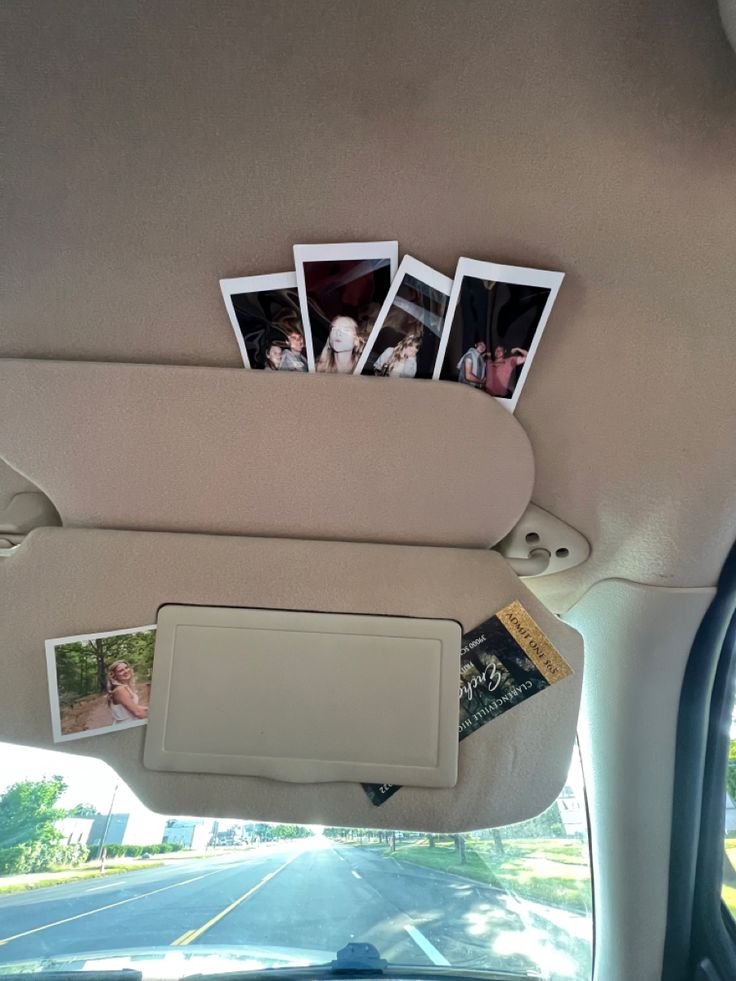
[[305, 898]]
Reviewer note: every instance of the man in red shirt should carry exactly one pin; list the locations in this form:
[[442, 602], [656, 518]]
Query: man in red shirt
[[500, 370]]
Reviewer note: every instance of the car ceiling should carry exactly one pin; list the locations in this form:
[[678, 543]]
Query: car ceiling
[[154, 148]]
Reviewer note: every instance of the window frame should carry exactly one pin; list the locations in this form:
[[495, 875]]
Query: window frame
[[700, 929]]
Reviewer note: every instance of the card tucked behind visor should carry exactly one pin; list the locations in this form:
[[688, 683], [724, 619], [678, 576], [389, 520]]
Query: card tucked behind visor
[[503, 662]]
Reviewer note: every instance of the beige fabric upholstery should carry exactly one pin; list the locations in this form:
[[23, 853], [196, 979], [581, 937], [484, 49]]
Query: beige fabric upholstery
[[64, 581], [242, 452], [153, 148], [11, 483]]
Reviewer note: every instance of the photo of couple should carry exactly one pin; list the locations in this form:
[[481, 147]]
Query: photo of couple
[[99, 682], [496, 323], [264, 313], [492, 372], [284, 350]]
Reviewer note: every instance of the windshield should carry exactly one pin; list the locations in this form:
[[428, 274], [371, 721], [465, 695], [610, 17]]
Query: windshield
[[91, 878]]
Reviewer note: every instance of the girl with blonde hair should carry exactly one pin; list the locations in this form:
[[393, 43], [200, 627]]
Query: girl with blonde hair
[[122, 696], [400, 361], [343, 348]]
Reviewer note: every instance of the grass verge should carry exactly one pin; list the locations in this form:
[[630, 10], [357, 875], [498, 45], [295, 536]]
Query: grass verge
[[729, 898], [526, 869], [444, 858], [77, 877]]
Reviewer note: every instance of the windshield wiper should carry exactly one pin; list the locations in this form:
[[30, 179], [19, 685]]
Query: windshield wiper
[[358, 957], [355, 960], [362, 960]]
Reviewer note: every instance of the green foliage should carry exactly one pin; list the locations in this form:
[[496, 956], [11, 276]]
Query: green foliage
[[81, 666], [279, 831], [336, 834], [731, 771], [546, 825], [28, 811], [29, 842], [40, 856], [728, 895], [352, 834], [532, 868], [80, 876], [444, 857], [135, 851], [556, 891], [82, 811]]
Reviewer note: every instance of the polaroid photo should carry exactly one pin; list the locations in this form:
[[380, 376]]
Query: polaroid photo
[[264, 313], [405, 339], [99, 682], [496, 317], [341, 291]]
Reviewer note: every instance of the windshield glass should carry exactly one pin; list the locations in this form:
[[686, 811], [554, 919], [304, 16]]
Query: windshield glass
[[91, 878]]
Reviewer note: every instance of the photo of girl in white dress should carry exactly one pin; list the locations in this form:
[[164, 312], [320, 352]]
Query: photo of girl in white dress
[[99, 682], [399, 361], [123, 697], [406, 338]]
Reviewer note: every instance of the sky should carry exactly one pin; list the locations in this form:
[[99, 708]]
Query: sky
[[89, 781]]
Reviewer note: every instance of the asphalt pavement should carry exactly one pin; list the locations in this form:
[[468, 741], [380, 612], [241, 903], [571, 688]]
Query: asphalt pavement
[[308, 898]]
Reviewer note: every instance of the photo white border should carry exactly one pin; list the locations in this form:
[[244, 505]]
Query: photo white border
[[324, 253], [516, 275], [252, 284], [425, 274], [51, 646]]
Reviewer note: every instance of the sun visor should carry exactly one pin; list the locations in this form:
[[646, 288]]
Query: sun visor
[[65, 581], [239, 452]]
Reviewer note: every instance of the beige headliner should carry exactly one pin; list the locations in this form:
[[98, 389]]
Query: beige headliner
[[154, 149]]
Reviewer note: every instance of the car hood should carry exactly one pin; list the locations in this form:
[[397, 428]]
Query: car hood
[[163, 963]]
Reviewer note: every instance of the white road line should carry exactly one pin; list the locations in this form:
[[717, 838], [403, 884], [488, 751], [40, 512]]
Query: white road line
[[428, 948], [108, 885], [100, 909], [356, 874]]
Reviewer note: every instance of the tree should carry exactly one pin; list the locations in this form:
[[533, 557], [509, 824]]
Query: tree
[[290, 831], [548, 824], [729, 873], [731, 771], [83, 811], [28, 811], [82, 666]]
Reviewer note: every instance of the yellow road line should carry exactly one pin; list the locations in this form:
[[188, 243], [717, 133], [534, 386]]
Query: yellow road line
[[100, 909], [194, 934], [181, 939]]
